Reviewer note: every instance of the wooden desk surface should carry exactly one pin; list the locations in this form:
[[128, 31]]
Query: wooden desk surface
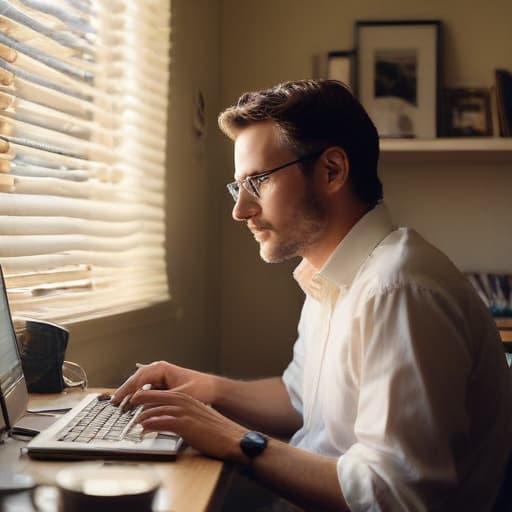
[[192, 483]]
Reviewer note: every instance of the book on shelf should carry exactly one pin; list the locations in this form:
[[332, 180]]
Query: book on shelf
[[503, 79], [495, 290], [494, 111]]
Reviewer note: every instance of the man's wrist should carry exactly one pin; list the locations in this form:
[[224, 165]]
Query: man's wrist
[[253, 444], [247, 447], [220, 388]]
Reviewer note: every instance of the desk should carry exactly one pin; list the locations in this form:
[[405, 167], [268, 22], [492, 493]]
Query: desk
[[192, 483]]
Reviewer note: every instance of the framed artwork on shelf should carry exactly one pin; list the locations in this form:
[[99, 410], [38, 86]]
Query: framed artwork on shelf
[[466, 112], [397, 76], [340, 66]]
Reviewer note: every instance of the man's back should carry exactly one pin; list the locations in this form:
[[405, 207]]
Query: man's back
[[410, 382], [459, 345]]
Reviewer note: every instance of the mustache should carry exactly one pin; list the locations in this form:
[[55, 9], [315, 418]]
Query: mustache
[[257, 226]]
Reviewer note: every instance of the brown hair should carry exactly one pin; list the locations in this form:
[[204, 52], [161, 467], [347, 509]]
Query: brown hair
[[313, 115]]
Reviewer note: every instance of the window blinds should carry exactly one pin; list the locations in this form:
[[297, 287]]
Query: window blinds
[[83, 104]]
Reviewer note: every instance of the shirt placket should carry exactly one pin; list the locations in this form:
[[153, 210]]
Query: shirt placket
[[320, 332]]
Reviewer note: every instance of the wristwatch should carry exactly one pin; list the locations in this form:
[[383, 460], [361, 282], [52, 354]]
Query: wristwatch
[[253, 443]]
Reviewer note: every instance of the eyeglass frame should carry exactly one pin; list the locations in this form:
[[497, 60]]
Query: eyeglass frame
[[252, 183]]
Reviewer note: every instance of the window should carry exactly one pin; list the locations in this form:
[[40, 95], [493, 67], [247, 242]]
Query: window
[[83, 114]]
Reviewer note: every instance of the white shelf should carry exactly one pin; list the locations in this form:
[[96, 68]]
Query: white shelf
[[468, 149]]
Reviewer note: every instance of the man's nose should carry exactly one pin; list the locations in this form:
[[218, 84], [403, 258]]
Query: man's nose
[[245, 207]]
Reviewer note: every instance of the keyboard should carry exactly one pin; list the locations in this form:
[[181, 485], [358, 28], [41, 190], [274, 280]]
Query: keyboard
[[102, 421]]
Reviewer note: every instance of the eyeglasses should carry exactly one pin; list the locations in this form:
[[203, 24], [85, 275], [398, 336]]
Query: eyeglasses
[[253, 183]]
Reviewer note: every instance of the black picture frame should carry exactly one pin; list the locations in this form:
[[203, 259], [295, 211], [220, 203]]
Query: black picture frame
[[466, 112], [397, 75]]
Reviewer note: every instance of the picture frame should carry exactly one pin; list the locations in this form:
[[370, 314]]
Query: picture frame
[[340, 66], [466, 112], [398, 75]]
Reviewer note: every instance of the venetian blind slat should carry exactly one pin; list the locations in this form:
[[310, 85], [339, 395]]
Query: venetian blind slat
[[83, 119]]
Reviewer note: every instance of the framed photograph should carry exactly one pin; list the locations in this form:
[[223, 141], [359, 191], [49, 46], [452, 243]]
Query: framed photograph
[[466, 112], [340, 66], [397, 76]]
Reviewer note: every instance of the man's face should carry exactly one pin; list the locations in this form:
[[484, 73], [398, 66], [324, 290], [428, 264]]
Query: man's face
[[287, 220]]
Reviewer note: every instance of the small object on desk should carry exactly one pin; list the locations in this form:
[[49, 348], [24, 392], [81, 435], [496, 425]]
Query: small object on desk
[[15, 482], [31, 424], [62, 402]]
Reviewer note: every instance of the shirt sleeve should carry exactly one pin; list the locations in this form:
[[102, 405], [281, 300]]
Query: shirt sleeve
[[411, 419]]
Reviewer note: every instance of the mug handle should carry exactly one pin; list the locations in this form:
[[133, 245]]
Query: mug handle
[[74, 375]]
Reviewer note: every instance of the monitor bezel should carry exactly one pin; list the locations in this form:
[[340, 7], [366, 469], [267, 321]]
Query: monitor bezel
[[15, 397]]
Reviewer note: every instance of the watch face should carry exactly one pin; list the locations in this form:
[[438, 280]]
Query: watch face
[[253, 443]]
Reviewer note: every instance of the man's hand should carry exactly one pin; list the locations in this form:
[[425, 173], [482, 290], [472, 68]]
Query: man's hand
[[199, 425], [261, 404], [178, 401], [166, 376]]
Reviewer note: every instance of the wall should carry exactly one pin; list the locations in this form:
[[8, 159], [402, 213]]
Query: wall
[[221, 289], [463, 207], [186, 330]]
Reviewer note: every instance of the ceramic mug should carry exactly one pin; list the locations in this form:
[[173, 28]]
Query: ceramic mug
[[105, 488]]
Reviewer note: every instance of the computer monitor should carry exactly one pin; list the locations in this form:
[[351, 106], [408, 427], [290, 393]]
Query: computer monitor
[[14, 396]]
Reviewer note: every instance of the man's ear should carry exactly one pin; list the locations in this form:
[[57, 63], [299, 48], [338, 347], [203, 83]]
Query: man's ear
[[337, 166]]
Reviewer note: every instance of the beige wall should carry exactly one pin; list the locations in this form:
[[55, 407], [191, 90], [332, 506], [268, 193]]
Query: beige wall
[[463, 207], [186, 330], [221, 289]]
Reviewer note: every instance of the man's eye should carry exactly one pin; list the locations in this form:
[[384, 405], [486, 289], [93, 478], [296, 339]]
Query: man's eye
[[261, 179]]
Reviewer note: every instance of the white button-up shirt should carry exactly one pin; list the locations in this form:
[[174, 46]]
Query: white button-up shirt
[[398, 371]]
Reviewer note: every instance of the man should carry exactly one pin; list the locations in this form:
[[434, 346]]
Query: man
[[398, 397]]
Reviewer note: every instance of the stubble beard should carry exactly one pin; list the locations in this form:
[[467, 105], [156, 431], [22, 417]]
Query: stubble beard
[[305, 229]]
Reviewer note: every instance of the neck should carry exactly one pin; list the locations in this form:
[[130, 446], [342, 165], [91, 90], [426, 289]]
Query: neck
[[341, 220]]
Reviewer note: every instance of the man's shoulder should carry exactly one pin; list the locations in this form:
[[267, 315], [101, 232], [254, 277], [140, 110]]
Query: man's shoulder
[[403, 259]]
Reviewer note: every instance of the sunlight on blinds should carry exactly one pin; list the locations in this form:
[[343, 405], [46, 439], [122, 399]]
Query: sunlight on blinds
[[83, 114]]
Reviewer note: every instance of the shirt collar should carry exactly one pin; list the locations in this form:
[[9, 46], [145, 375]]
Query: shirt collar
[[342, 265]]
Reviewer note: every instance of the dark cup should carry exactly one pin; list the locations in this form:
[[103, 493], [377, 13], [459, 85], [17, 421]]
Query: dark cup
[[42, 348]]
